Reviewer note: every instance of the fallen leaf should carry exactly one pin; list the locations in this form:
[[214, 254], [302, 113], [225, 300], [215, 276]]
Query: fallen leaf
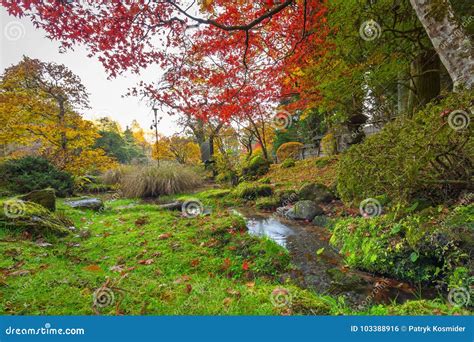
[[182, 279], [188, 288], [227, 301], [92, 268], [250, 284], [245, 265], [233, 292], [141, 221], [146, 262], [195, 262], [164, 236], [226, 264]]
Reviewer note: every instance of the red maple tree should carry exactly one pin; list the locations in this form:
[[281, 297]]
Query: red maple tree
[[222, 58]]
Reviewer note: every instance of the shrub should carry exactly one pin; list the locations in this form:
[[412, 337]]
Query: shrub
[[114, 176], [411, 157], [287, 163], [419, 247], [329, 144], [35, 173], [323, 162], [255, 167], [165, 178], [289, 150], [251, 191]]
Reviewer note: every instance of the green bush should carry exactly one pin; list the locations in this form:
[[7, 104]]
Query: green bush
[[421, 156], [287, 163], [323, 161], [165, 178], [34, 173], [251, 191], [255, 167], [419, 247]]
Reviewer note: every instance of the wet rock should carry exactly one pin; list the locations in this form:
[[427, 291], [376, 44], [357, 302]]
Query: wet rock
[[318, 193], [86, 203], [45, 197], [304, 210], [345, 281]]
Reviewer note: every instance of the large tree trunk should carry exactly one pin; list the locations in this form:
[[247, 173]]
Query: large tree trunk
[[425, 82], [450, 41]]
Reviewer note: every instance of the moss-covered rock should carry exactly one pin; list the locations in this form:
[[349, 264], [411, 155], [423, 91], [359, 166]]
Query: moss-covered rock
[[267, 203], [21, 216], [315, 192], [255, 167], [252, 191], [45, 197]]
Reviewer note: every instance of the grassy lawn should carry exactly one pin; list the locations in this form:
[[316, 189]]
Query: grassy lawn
[[155, 262], [158, 262]]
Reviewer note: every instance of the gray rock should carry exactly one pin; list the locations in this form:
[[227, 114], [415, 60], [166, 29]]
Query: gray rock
[[177, 205], [321, 220], [87, 203], [304, 210], [45, 197], [318, 193]]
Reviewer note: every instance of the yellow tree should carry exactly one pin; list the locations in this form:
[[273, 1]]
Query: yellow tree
[[38, 107]]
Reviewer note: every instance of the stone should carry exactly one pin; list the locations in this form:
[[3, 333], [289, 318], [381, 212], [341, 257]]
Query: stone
[[45, 197], [304, 210], [86, 203], [318, 193], [177, 205], [321, 220]]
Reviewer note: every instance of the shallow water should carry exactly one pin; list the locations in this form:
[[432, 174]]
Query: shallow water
[[319, 265]]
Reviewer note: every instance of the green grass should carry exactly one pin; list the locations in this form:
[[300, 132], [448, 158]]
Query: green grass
[[199, 269], [159, 262]]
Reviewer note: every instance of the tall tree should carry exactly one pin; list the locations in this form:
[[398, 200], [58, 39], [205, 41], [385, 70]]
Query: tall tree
[[449, 39]]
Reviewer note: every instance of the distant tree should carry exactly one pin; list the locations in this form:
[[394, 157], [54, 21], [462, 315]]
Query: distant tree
[[38, 107]]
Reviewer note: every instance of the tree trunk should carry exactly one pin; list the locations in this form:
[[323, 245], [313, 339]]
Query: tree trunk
[[425, 82], [450, 41]]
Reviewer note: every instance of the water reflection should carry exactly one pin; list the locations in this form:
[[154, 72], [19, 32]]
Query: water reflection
[[269, 227]]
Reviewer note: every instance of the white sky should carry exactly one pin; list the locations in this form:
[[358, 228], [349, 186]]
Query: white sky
[[19, 37]]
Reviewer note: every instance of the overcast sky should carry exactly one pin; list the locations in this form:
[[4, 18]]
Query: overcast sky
[[19, 37]]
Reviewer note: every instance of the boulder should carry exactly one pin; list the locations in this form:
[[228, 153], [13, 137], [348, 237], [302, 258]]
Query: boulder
[[304, 210], [86, 203], [321, 220], [45, 197], [33, 218], [318, 193]]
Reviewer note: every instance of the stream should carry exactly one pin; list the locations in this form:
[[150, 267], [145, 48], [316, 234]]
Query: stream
[[318, 265]]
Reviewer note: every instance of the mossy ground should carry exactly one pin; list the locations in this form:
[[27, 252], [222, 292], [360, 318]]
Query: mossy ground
[[159, 262]]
